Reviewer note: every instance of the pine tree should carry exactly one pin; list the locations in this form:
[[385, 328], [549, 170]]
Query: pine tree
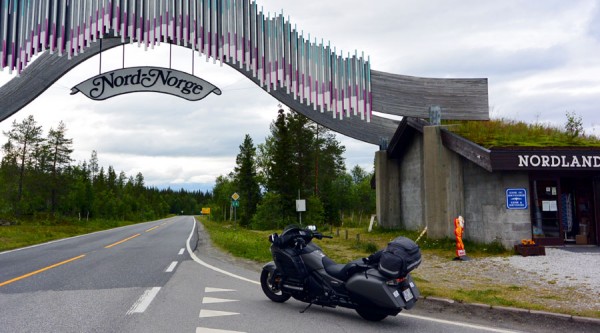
[[23, 140], [245, 176], [59, 151]]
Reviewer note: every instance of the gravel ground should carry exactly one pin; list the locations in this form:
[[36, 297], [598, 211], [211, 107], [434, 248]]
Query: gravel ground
[[568, 266], [566, 279]]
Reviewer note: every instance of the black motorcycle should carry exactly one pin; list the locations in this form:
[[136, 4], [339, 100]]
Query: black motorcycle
[[376, 287]]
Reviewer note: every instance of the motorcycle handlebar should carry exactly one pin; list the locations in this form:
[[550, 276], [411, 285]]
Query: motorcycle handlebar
[[319, 235]]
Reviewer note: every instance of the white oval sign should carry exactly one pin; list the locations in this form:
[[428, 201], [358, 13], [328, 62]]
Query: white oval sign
[[145, 79]]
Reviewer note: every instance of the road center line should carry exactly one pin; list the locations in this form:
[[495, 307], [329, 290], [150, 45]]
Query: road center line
[[152, 228], [181, 251], [41, 270], [144, 301], [171, 267], [121, 241]]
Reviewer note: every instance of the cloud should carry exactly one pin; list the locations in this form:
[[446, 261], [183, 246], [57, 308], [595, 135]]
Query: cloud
[[540, 58]]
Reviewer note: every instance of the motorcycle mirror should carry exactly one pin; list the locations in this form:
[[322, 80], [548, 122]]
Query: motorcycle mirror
[[312, 227], [273, 237]]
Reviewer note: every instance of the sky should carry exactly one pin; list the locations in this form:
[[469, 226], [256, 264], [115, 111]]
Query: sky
[[541, 58]]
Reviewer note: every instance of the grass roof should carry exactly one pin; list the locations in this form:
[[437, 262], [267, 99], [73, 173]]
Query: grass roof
[[503, 133]]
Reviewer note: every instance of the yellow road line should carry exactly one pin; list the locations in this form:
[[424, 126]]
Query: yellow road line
[[152, 228], [121, 241], [40, 270]]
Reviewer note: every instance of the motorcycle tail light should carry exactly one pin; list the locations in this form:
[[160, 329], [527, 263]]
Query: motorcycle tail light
[[395, 282]]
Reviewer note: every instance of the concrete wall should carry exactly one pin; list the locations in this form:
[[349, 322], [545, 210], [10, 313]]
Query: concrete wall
[[411, 189], [387, 187], [486, 217], [443, 180]]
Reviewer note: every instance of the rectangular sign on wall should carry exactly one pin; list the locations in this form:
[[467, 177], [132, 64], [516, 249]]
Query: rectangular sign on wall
[[516, 198]]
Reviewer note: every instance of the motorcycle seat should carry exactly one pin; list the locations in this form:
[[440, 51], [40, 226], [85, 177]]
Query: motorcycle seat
[[340, 271]]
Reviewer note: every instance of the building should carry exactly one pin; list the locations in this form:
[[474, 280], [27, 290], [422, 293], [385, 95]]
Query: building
[[429, 176]]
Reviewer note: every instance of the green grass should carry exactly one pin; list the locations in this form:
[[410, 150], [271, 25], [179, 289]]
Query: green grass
[[509, 133], [254, 245], [249, 244]]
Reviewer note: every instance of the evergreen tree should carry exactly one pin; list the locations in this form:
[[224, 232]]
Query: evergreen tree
[[291, 158], [282, 179], [24, 140], [59, 151], [245, 176]]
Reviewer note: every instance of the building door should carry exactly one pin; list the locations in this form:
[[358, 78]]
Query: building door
[[578, 215], [545, 210]]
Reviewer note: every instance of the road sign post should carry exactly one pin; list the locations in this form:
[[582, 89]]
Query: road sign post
[[235, 204]]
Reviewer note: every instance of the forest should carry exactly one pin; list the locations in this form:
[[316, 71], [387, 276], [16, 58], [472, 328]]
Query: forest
[[299, 159]]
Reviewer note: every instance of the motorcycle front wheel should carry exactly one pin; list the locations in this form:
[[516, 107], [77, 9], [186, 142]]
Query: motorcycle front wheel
[[270, 289], [370, 315]]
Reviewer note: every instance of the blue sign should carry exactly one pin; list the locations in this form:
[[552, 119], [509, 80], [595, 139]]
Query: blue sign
[[516, 198]]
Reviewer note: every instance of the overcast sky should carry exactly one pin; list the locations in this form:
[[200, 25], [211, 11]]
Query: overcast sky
[[541, 58]]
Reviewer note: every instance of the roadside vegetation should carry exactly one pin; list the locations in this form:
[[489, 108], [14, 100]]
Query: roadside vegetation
[[348, 243]]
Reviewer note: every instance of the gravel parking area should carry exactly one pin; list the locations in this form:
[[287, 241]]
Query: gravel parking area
[[566, 279], [568, 266]]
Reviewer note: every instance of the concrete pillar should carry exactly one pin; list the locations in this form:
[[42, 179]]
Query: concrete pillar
[[387, 183], [443, 182]]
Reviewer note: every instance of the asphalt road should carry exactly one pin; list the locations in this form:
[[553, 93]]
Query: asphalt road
[[162, 276]]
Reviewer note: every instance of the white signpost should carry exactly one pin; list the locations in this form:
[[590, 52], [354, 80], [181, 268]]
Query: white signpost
[[300, 207]]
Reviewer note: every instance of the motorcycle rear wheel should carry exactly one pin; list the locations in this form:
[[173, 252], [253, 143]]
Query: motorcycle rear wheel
[[272, 291], [370, 315]]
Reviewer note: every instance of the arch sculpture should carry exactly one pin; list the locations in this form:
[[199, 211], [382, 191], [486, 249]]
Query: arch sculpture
[[337, 90]]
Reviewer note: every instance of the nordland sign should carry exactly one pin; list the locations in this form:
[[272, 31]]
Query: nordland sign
[[145, 79]]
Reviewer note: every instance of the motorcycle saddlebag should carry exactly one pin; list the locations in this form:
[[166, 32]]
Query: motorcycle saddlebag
[[399, 258]]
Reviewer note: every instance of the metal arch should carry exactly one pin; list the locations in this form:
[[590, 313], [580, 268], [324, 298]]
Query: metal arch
[[48, 68], [311, 77], [277, 54]]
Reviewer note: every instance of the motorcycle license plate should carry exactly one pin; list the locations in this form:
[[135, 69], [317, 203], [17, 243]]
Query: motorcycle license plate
[[407, 294]]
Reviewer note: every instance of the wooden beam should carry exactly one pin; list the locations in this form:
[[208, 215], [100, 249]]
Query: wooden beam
[[401, 95]]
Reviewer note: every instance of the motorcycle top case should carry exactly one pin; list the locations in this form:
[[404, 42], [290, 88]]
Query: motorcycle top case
[[399, 258]]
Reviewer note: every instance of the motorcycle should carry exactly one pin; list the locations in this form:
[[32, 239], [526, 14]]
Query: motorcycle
[[375, 287]]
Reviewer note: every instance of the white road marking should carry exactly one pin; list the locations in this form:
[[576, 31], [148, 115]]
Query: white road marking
[[216, 290], [212, 330], [211, 300], [171, 267], [212, 313], [181, 251], [216, 269], [442, 321], [144, 301]]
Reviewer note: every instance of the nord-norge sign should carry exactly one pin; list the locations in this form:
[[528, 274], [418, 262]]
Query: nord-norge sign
[[145, 79]]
